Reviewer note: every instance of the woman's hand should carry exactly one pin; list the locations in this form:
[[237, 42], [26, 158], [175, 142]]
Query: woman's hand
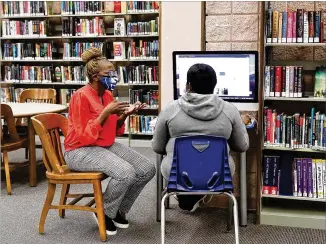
[[116, 107], [134, 108]]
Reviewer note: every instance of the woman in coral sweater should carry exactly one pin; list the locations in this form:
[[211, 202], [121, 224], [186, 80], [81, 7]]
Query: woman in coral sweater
[[95, 119]]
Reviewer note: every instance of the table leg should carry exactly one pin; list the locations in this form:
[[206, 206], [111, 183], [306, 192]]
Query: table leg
[[32, 154], [159, 186], [243, 189]]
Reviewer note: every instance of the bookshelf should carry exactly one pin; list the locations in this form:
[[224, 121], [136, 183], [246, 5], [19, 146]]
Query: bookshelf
[[293, 168], [52, 35]]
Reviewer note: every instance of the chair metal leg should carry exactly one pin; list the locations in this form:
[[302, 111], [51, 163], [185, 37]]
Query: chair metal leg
[[163, 216], [235, 216], [230, 213], [159, 187]]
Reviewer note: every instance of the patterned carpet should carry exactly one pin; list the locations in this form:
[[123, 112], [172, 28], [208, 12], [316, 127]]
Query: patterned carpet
[[20, 215]]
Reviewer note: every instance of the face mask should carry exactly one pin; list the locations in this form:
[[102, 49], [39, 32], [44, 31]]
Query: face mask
[[109, 82]]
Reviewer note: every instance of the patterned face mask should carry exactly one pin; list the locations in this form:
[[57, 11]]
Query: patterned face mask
[[110, 81]]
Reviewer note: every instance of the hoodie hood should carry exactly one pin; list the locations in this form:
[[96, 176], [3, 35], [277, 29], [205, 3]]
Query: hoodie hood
[[201, 107]]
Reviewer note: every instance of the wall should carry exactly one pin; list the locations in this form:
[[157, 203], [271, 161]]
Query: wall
[[180, 30], [235, 26]]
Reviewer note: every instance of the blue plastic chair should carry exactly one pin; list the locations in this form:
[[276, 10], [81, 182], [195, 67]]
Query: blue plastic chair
[[200, 167]]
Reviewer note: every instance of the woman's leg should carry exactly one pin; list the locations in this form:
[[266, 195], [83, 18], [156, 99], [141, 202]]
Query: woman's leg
[[144, 170], [122, 174]]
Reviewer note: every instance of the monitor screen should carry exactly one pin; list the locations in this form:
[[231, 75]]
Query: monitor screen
[[236, 73]]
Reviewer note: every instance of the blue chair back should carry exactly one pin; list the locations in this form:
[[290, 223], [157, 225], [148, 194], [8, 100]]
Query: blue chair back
[[200, 164]]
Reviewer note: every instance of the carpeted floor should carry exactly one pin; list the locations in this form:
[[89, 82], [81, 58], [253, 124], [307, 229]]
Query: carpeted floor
[[20, 214]]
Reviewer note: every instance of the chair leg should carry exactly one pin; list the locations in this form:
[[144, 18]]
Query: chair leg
[[163, 217], [63, 198], [235, 216], [47, 205], [230, 213], [7, 172], [98, 195], [26, 153]]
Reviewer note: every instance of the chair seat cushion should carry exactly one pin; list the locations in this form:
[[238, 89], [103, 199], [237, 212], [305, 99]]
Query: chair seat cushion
[[76, 175]]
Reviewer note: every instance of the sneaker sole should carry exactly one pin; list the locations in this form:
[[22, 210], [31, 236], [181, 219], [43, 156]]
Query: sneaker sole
[[197, 205], [121, 226], [110, 233]]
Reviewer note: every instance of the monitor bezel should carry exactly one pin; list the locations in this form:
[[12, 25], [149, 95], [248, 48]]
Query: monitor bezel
[[255, 100]]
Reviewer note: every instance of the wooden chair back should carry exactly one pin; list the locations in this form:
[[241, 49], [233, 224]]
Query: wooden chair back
[[38, 96], [48, 126], [7, 116]]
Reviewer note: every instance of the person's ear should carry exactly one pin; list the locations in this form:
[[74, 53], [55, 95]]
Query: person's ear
[[188, 87]]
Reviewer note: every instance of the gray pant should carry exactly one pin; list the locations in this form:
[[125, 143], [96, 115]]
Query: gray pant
[[128, 173]]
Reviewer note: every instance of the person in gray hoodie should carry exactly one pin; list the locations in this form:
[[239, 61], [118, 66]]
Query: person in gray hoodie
[[198, 112]]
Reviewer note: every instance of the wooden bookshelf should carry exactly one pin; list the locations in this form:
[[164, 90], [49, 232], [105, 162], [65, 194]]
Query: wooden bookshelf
[[285, 209], [57, 37]]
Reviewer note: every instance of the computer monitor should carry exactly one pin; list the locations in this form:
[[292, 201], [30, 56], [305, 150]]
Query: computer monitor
[[236, 72]]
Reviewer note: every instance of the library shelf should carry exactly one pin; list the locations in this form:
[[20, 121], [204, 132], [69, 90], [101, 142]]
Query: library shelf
[[296, 44], [30, 16], [294, 198], [300, 218], [110, 14], [73, 60], [297, 99], [30, 37], [276, 148], [43, 84], [74, 37]]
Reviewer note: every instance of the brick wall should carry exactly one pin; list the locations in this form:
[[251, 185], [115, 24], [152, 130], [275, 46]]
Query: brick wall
[[235, 26]]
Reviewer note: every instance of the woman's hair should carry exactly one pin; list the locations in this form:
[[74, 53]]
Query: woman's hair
[[92, 58], [201, 78]]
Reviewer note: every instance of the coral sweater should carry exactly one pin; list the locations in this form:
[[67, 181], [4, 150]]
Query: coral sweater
[[83, 127]]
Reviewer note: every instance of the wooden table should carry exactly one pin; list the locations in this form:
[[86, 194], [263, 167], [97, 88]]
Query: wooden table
[[28, 110]]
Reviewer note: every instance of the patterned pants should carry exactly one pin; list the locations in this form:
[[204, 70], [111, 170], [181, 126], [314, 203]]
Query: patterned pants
[[128, 173]]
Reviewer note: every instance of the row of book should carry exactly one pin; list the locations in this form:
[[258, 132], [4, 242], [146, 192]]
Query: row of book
[[140, 124], [24, 28], [308, 177], [24, 8], [295, 131], [150, 97], [73, 51], [98, 7], [27, 51], [82, 27], [141, 50], [28, 74], [135, 28], [283, 81], [292, 27], [141, 74], [43, 8], [10, 94], [65, 96]]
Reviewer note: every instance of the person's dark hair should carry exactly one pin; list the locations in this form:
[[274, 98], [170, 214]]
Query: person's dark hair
[[201, 78]]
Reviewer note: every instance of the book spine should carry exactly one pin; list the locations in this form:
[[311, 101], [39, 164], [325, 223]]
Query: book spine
[[280, 19], [324, 176], [311, 29], [300, 81], [295, 74], [291, 81], [310, 178], [266, 176], [278, 81], [299, 176], [300, 27], [272, 82], [305, 27], [287, 76], [317, 26], [275, 26], [269, 25], [274, 184], [314, 178], [320, 186], [267, 81], [283, 81], [304, 178], [294, 27], [284, 26], [294, 178], [289, 27]]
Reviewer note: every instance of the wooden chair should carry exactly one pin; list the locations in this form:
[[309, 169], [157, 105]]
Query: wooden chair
[[10, 141], [47, 126], [34, 96]]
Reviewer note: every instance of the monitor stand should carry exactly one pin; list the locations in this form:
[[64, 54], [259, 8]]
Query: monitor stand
[[246, 106]]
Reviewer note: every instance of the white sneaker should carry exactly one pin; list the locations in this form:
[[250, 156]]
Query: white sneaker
[[111, 229], [202, 202]]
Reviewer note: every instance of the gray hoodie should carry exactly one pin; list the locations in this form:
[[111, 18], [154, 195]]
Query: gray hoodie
[[196, 114]]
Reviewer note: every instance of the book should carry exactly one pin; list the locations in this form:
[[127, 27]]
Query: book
[[320, 82], [119, 50], [140, 124], [119, 27], [150, 97]]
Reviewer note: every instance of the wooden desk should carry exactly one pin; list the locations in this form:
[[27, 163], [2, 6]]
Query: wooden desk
[[28, 110]]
